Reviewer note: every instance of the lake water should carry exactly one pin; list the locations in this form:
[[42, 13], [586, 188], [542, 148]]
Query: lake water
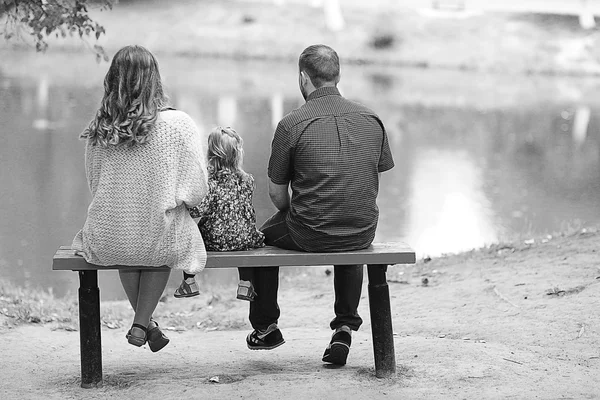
[[479, 158]]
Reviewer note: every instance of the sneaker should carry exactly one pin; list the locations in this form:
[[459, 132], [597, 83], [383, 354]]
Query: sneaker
[[267, 340], [188, 288], [339, 347], [245, 291]]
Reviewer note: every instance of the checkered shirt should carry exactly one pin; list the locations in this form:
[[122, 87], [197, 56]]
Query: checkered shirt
[[331, 150]]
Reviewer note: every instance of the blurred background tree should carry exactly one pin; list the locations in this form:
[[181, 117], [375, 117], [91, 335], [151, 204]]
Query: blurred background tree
[[40, 19]]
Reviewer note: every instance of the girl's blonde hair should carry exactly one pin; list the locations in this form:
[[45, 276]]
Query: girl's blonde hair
[[133, 97], [225, 151]]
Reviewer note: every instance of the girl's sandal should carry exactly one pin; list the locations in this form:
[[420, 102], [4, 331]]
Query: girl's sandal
[[186, 290], [156, 339], [137, 340], [246, 291]]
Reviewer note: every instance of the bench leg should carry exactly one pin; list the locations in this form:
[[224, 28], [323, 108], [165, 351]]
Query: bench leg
[[89, 329], [381, 322]]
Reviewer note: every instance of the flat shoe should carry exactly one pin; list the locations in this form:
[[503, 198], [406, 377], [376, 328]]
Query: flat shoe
[[156, 338], [137, 340]]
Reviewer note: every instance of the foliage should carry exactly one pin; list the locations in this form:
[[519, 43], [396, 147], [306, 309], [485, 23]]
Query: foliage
[[43, 18], [19, 305]]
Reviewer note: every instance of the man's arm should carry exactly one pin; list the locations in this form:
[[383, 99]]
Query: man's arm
[[279, 195]]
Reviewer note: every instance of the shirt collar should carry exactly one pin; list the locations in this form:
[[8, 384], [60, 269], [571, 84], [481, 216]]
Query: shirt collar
[[324, 91]]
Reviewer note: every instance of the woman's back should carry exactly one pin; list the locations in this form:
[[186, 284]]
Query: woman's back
[[138, 212]]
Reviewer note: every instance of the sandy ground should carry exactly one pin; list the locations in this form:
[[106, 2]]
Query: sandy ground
[[510, 321]]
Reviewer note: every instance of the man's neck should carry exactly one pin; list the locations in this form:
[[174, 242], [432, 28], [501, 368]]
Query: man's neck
[[310, 88]]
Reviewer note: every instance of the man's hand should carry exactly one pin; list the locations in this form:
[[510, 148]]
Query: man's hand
[[279, 196]]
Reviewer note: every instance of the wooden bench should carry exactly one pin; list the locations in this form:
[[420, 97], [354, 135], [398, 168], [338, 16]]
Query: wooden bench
[[377, 257]]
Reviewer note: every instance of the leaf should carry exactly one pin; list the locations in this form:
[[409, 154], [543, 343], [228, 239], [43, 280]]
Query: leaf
[[46, 18]]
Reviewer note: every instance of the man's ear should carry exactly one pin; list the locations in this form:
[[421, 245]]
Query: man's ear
[[304, 77]]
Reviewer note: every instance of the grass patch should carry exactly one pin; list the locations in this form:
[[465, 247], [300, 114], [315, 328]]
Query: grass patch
[[20, 305]]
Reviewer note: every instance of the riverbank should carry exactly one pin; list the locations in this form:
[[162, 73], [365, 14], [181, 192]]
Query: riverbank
[[512, 320], [380, 32]]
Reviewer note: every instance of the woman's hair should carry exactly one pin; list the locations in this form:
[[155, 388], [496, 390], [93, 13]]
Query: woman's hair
[[225, 152], [133, 97]]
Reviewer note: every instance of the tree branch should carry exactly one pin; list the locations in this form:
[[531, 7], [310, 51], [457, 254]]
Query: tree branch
[[42, 18]]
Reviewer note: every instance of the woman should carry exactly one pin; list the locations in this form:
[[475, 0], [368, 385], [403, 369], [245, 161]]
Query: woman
[[144, 165]]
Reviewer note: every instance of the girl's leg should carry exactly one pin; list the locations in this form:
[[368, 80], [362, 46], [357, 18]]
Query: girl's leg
[[130, 279], [151, 287], [188, 286], [187, 276]]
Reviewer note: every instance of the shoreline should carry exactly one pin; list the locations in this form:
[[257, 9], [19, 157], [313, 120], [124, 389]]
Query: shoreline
[[390, 36]]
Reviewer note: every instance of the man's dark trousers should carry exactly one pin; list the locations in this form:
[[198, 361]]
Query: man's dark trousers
[[348, 280]]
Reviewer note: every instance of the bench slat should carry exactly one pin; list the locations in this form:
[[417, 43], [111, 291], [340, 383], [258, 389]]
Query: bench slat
[[378, 253]]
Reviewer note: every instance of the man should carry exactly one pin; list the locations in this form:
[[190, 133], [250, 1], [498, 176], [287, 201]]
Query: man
[[329, 152]]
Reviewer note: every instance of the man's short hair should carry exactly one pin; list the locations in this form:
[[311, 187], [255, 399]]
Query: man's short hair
[[321, 63]]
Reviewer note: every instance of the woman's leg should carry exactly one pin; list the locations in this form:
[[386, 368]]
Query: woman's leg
[[130, 279], [151, 287]]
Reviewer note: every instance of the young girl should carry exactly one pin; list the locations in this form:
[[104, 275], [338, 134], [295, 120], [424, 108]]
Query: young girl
[[145, 167], [227, 218]]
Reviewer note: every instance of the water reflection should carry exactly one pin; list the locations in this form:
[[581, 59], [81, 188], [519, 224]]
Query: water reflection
[[473, 164], [580, 125], [454, 214]]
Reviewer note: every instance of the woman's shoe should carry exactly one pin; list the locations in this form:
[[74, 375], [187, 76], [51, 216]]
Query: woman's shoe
[[246, 291], [156, 339], [137, 340]]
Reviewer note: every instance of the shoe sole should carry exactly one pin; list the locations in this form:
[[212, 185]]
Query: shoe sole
[[265, 347], [179, 296], [157, 346], [159, 343], [338, 353], [136, 341]]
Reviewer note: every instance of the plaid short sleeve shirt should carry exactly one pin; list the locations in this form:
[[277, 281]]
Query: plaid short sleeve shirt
[[330, 151]]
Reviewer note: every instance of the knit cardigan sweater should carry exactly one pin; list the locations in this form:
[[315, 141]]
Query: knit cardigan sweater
[[138, 215]]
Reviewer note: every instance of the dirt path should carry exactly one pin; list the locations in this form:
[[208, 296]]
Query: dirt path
[[504, 322]]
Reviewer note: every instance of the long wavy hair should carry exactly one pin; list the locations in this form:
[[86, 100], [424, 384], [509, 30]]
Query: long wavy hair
[[133, 97], [225, 152]]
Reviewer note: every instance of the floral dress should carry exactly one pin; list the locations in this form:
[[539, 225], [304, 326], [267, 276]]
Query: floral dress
[[227, 218]]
